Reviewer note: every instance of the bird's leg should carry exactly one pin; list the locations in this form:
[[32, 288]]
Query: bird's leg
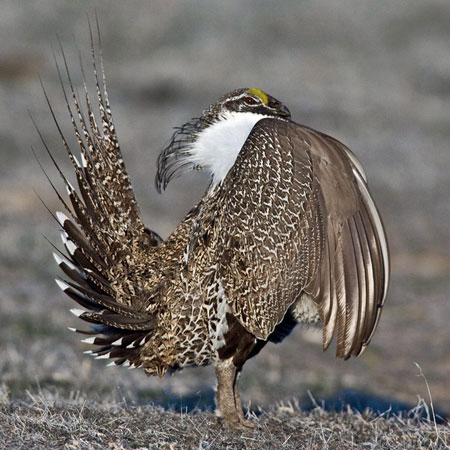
[[228, 401], [237, 401], [226, 406]]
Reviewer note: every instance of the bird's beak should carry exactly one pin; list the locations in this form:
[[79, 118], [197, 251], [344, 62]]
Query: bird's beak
[[286, 112]]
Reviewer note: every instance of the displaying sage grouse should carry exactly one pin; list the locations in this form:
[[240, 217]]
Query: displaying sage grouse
[[286, 232]]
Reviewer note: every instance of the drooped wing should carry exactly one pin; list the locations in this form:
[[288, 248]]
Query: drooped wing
[[297, 216], [352, 284]]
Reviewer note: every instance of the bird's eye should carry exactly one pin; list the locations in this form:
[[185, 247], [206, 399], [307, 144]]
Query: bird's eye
[[250, 101]]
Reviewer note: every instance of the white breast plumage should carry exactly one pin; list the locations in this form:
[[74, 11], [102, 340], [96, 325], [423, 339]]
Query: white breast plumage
[[217, 147]]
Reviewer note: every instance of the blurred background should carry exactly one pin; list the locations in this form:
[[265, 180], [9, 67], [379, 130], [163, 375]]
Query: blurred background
[[375, 75]]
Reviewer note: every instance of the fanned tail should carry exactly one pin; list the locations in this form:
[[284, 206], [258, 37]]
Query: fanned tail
[[109, 250]]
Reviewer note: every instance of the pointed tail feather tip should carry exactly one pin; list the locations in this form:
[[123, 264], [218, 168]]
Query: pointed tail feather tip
[[61, 217], [64, 237], [60, 260], [57, 258], [71, 247], [77, 312], [62, 285]]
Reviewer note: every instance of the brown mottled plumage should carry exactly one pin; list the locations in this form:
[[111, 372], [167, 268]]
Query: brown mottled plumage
[[287, 232]]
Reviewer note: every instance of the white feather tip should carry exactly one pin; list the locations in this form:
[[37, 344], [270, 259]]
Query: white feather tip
[[77, 312], [61, 217], [62, 284]]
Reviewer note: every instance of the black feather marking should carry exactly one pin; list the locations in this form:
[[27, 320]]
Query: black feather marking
[[56, 166], [105, 301], [117, 321]]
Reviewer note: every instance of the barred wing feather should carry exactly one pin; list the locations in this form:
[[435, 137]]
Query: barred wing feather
[[308, 224]]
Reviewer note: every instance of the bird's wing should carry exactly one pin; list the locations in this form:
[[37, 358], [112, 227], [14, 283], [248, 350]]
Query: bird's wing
[[297, 216], [353, 280], [109, 249]]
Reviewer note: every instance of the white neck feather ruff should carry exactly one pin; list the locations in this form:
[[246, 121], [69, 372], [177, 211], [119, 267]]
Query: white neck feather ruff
[[217, 147]]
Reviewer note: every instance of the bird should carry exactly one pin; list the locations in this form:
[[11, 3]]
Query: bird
[[287, 232]]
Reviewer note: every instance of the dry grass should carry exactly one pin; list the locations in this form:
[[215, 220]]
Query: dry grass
[[48, 420]]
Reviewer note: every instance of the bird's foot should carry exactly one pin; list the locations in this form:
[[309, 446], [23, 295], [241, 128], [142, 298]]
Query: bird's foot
[[247, 424], [237, 423]]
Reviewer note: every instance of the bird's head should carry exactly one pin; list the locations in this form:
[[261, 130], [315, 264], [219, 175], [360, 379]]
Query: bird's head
[[246, 100], [213, 140]]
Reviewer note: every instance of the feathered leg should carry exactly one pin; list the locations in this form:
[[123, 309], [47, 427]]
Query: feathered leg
[[227, 398], [237, 400]]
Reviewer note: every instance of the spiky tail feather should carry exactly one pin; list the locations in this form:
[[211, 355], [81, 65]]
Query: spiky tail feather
[[103, 234]]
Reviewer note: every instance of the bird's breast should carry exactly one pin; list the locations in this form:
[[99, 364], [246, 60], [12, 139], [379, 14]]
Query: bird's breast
[[217, 147]]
